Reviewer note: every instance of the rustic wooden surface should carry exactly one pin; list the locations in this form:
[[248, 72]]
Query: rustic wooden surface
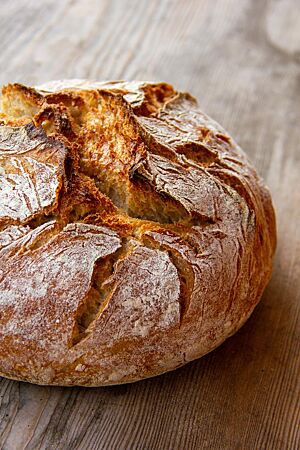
[[241, 58]]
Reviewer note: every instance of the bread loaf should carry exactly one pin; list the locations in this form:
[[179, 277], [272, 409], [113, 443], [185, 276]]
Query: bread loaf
[[135, 235]]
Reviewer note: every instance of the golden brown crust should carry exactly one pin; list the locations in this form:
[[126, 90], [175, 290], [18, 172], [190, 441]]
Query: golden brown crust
[[135, 235]]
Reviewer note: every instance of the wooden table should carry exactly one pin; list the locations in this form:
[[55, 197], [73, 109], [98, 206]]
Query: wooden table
[[241, 58]]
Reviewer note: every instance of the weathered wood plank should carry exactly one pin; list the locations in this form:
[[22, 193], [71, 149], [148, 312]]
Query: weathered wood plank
[[241, 59]]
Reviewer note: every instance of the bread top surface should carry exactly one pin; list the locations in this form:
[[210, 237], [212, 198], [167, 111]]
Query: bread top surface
[[134, 233]]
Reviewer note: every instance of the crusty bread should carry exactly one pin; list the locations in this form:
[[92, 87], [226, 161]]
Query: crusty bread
[[135, 236]]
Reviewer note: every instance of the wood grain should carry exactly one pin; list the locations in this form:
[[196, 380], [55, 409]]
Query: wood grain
[[241, 58]]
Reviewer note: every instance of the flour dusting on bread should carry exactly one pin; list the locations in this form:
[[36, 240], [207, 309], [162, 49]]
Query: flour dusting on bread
[[135, 235]]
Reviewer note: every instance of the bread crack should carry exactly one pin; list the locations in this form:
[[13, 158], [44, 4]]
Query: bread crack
[[184, 271], [100, 292], [110, 141]]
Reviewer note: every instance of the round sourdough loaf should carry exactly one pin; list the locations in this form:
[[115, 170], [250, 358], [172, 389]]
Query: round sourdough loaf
[[135, 235]]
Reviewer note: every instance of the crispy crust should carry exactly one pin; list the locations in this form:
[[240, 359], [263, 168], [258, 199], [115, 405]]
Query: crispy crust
[[135, 235]]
